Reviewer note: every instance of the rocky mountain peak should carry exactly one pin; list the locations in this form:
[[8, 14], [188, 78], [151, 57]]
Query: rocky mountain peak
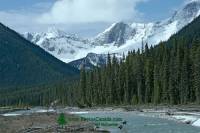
[[118, 33], [188, 12]]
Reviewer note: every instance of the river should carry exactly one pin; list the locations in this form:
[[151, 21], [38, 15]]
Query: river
[[129, 122], [142, 124]]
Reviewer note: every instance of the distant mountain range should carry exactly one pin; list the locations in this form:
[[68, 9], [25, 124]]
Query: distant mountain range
[[118, 38], [24, 64]]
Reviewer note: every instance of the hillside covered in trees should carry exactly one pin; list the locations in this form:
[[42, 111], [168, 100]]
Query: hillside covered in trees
[[23, 64], [166, 74]]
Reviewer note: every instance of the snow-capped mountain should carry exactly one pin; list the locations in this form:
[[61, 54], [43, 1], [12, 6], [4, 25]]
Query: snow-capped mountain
[[66, 47], [118, 38], [130, 36], [117, 33]]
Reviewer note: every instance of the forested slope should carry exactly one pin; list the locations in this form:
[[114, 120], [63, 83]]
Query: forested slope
[[25, 64], [166, 74]]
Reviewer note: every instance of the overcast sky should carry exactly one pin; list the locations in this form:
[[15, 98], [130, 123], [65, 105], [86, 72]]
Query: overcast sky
[[83, 17]]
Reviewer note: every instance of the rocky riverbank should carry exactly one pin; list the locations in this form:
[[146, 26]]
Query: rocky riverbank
[[11, 109], [43, 123]]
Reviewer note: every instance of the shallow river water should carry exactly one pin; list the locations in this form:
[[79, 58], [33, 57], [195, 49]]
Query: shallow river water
[[141, 124]]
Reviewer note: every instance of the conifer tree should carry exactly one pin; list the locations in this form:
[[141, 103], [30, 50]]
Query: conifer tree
[[197, 75], [83, 85], [157, 89], [184, 80]]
